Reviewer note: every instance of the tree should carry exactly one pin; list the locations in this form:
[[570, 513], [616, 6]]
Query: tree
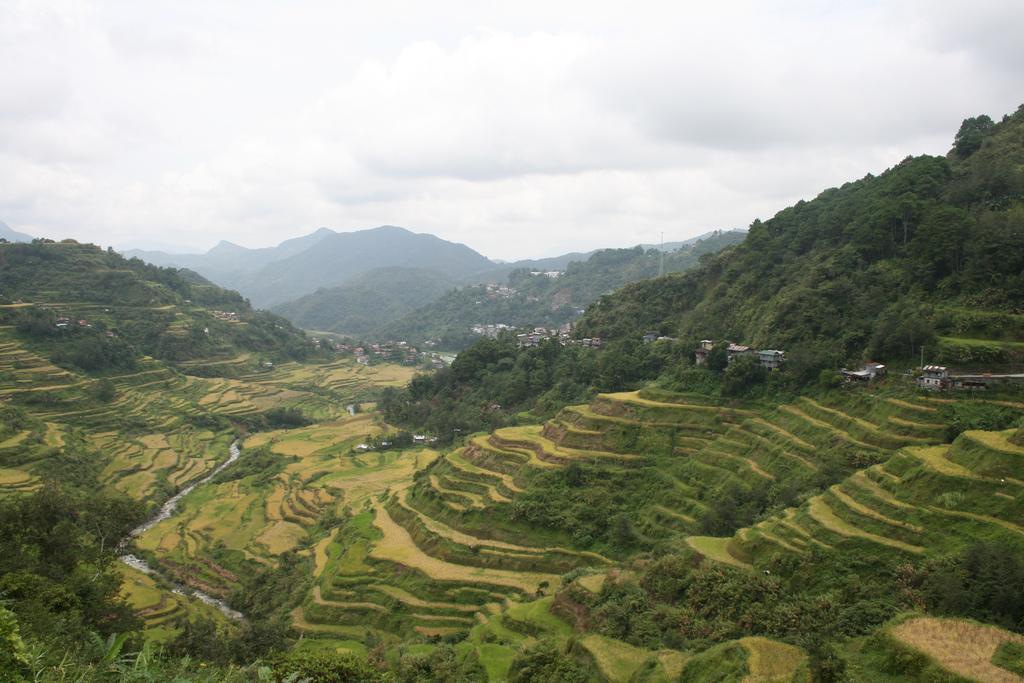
[[106, 391], [969, 138], [718, 359], [742, 375], [901, 331], [544, 663]]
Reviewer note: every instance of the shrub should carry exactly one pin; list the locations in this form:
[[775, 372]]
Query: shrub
[[327, 667]]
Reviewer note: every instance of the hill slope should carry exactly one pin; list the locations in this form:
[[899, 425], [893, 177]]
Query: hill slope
[[339, 257], [95, 306], [228, 263], [371, 298], [322, 259], [877, 267], [533, 300]]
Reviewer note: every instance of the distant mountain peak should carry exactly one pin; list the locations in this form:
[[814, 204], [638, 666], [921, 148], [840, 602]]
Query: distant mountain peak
[[11, 235], [226, 246]]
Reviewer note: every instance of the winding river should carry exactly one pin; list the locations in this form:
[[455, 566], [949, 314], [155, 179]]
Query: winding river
[[166, 511]]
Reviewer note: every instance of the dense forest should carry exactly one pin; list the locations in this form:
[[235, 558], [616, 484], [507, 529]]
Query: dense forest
[[370, 300], [928, 254]]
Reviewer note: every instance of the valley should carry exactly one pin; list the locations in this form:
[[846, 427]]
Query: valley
[[664, 505], [426, 548]]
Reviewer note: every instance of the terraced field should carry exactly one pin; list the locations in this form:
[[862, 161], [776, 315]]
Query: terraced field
[[153, 436], [159, 606], [919, 501], [164, 429], [959, 647], [435, 556], [418, 546]]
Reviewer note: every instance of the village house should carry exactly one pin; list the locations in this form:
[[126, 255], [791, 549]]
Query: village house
[[735, 351], [867, 373], [934, 378], [941, 379], [703, 349], [490, 331], [771, 359]]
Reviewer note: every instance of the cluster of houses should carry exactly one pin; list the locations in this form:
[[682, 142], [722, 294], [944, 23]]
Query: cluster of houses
[[417, 440], [497, 291], [65, 322], [772, 359], [392, 352], [935, 377], [227, 316], [395, 352], [939, 378], [540, 334], [553, 274], [563, 334], [491, 331]]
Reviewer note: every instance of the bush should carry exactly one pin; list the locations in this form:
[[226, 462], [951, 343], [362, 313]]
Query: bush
[[13, 656], [965, 415], [327, 667], [545, 663]]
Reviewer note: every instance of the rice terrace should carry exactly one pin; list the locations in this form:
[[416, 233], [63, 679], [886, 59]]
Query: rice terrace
[[791, 452], [394, 550]]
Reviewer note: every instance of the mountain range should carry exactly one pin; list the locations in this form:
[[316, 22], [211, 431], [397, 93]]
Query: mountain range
[[345, 281], [274, 275]]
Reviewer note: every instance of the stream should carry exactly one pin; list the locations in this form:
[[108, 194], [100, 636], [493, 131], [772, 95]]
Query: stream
[[166, 511]]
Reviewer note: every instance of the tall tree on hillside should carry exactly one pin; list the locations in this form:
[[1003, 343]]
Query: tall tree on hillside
[[972, 131]]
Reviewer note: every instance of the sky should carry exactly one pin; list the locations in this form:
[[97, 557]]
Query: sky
[[522, 129]]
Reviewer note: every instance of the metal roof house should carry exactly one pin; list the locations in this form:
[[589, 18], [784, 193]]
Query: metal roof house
[[771, 358], [934, 378]]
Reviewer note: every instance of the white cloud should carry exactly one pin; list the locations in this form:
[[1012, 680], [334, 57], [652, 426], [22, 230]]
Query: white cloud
[[521, 130]]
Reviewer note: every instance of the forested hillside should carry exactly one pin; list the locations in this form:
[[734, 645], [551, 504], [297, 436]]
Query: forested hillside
[[532, 299], [339, 257], [369, 301], [929, 253], [95, 310], [323, 259]]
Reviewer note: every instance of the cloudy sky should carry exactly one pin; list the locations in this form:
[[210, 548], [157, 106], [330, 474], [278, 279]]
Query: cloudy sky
[[521, 129]]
